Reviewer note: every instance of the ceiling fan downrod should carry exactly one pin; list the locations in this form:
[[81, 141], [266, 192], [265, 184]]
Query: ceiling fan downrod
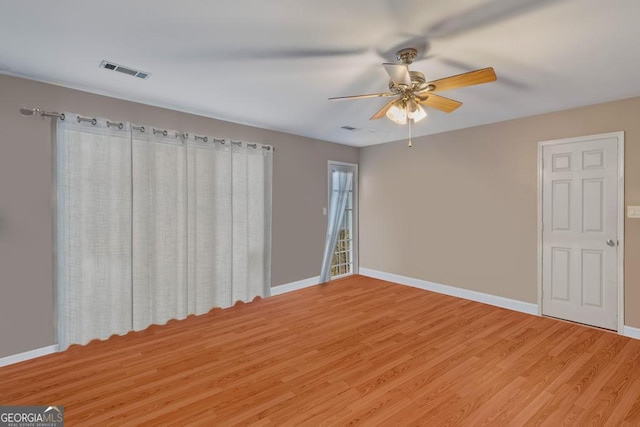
[[407, 55]]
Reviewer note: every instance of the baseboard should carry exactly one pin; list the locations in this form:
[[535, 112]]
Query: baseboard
[[31, 354], [511, 304], [294, 286], [276, 290], [631, 332]]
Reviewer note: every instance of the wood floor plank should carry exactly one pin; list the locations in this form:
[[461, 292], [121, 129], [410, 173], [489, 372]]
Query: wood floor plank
[[357, 351]]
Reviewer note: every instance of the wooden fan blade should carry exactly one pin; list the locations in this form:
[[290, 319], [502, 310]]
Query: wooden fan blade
[[383, 110], [371, 95], [399, 73], [439, 102], [471, 78]]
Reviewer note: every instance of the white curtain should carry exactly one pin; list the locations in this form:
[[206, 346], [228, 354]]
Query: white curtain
[[341, 184], [93, 247], [159, 227], [210, 232], [155, 225], [251, 210]]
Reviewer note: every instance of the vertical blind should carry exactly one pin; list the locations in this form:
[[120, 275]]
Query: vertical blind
[[155, 225]]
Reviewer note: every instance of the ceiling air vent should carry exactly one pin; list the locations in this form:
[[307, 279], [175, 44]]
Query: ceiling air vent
[[125, 70]]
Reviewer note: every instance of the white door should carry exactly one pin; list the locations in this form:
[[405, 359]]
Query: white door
[[579, 230]]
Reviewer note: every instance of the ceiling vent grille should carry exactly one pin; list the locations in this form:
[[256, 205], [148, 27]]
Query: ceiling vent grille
[[124, 70]]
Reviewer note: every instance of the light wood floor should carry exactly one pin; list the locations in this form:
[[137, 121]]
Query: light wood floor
[[357, 351]]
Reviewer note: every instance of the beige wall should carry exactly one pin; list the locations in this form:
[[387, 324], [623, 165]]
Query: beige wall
[[26, 292], [459, 208]]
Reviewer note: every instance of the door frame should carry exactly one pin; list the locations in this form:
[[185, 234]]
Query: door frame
[[620, 137], [356, 209]]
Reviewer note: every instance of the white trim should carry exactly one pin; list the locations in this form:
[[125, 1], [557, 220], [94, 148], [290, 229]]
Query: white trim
[[511, 304], [539, 229], [31, 354], [620, 137], [294, 286], [621, 231], [631, 332]]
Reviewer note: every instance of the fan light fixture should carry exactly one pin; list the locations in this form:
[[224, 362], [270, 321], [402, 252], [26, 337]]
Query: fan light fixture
[[415, 111], [401, 110], [398, 113]]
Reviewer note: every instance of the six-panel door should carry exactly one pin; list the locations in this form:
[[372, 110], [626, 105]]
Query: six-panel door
[[579, 237]]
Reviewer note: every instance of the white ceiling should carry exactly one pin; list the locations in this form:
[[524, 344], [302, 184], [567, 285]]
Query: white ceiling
[[273, 64]]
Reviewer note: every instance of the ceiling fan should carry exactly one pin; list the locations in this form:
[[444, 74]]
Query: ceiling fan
[[410, 90]]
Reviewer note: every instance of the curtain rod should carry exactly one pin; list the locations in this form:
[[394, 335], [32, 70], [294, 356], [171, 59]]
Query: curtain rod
[[27, 112]]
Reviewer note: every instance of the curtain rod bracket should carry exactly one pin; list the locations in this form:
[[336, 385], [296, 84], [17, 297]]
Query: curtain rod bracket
[[27, 112]]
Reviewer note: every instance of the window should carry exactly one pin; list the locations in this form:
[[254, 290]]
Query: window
[[344, 260]]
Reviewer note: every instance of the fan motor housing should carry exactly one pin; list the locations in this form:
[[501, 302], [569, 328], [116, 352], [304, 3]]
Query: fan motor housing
[[417, 78]]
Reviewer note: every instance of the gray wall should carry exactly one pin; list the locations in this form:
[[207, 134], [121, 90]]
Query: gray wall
[[26, 291], [459, 208]]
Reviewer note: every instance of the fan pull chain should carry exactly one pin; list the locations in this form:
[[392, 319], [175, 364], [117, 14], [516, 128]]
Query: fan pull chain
[[410, 144]]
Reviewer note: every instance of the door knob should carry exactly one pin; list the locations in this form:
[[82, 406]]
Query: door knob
[[611, 242]]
